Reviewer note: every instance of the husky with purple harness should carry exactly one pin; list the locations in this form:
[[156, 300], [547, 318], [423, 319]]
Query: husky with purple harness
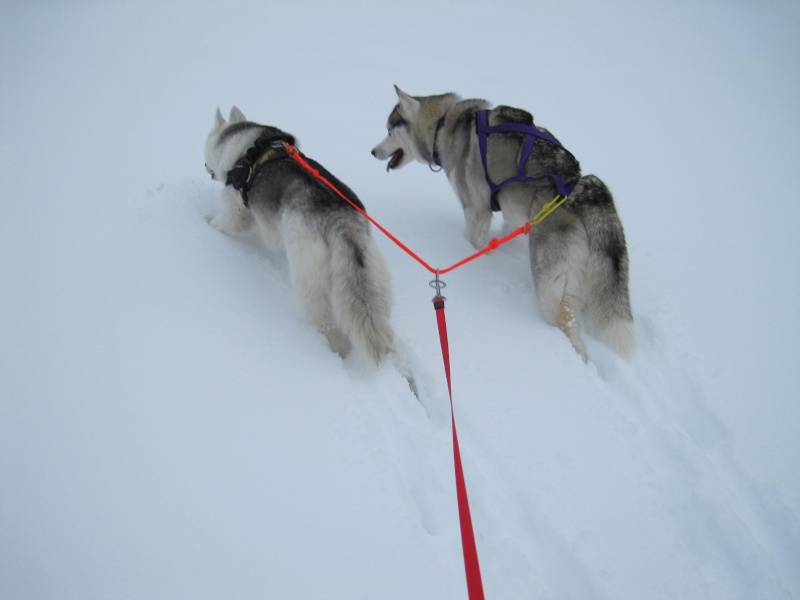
[[497, 160]]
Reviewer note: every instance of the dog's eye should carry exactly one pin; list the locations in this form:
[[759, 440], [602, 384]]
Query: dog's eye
[[394, 127]]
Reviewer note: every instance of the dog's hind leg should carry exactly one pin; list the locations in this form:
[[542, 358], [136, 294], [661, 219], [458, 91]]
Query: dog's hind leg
[[568, 321], [361, 289], [562, 310], [310, 272], [559, 255]]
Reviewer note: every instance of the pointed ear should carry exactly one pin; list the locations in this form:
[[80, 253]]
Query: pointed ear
[[218, 119], [408, 104], [401, 94], [237, 115]]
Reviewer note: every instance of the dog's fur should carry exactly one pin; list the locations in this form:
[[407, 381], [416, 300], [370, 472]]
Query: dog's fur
[[578, 254], [337, 272]]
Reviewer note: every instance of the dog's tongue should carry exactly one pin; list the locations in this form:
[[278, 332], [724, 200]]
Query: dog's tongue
[[395, 160]]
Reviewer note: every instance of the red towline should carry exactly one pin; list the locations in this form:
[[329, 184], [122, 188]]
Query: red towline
[[494, 243]]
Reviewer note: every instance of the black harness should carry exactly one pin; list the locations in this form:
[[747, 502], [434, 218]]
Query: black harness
[[266, 149]]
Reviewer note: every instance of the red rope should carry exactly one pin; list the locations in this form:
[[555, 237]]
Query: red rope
[[471, 565], [494, 243]]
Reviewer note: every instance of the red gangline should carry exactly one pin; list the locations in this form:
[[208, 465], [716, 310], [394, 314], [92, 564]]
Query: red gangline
[[494, 243], [472, 566]]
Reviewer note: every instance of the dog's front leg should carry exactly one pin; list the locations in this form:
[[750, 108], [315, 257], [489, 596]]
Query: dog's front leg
[[478, 222], [477, 209], [235, 219]]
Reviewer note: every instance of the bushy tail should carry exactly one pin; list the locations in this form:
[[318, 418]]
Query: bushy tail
[[607, 299], [361, 291]]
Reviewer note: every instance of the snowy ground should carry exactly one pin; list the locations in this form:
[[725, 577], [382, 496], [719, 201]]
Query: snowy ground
[[171, 427]]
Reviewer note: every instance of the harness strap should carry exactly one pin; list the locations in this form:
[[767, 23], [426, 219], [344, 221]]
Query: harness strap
[[532, 133], [264, 150]]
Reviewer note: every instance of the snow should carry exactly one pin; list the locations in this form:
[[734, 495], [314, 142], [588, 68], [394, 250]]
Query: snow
[[172, 427]]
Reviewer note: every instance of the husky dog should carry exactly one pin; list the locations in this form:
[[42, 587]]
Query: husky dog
[[578, 254], [337, 272]]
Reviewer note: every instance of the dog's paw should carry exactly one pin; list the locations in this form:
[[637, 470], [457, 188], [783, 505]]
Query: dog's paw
[[478, 233], [219, 222], [479, 239]]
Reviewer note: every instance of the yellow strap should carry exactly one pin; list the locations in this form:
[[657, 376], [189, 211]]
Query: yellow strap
[[549, 208]]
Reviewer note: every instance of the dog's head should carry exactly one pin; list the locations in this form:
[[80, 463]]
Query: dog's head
[[411, 128], [215, 151], [399, 145]]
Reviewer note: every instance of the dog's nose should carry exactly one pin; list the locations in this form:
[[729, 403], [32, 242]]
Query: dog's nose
[[373, 152]]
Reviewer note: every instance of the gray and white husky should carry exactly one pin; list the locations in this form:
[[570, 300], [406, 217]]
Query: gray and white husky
[[337, 272], [578, 254]]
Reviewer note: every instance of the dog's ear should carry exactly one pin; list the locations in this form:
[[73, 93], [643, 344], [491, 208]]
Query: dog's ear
[[408, 104], [237, 115], [218, 119]]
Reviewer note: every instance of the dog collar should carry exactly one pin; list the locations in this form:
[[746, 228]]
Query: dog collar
[[264, 150], [435, 151]]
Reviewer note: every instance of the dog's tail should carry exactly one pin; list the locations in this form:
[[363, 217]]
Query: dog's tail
[[607, 298], [361, 291]]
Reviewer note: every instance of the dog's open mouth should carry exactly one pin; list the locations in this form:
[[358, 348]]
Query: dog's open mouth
[[395, 160]]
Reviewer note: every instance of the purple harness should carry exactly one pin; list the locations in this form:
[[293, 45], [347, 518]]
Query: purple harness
[[532, 133]]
